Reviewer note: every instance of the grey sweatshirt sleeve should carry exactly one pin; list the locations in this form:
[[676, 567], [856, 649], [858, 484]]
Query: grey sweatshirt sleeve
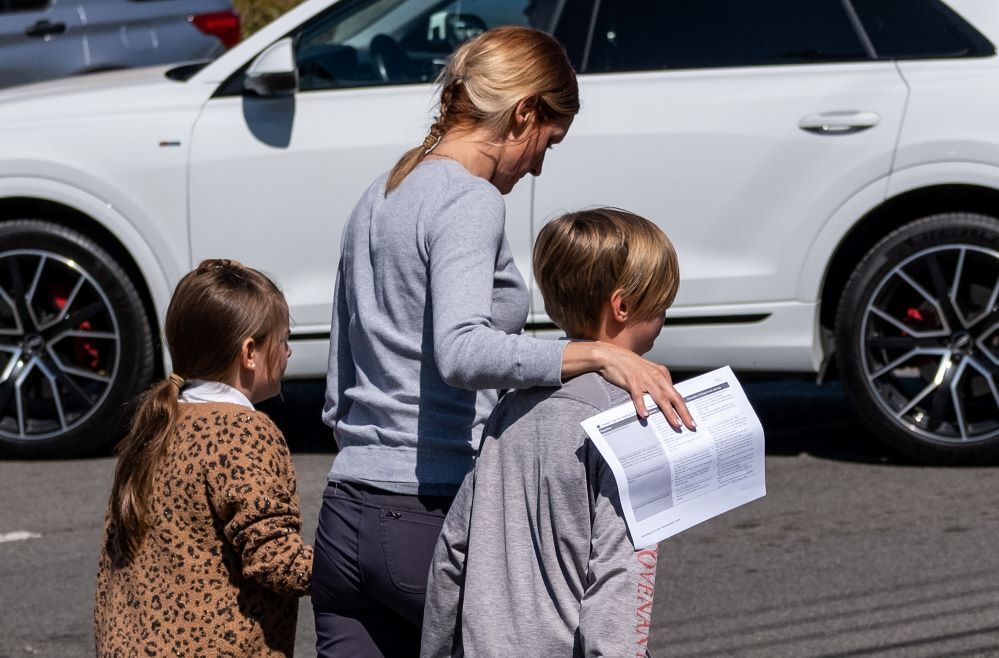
[[463, 244], [616, 609], [340, 374]]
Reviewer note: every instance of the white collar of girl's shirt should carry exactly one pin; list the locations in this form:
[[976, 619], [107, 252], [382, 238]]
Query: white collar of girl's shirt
[[200, 390]]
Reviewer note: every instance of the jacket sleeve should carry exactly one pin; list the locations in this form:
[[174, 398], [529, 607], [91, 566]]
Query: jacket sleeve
[[340, 374], [616, 610], [470, 353], [442, 610], [252, 490]]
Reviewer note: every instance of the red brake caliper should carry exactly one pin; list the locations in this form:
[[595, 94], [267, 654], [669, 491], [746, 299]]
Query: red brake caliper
[[84, 352]]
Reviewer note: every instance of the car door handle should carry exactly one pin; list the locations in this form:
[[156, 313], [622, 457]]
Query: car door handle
[[45, 28], [838, 123]]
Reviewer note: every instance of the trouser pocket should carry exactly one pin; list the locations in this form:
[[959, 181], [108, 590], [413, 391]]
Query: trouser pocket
[[408, 541]]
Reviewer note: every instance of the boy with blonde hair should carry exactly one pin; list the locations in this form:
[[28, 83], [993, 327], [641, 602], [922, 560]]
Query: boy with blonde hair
[[534, 558]]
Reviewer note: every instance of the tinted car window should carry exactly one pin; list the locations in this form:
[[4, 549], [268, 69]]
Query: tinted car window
[[22, 5], [572, 28], [378, 42], [918, 28], [633, 35]]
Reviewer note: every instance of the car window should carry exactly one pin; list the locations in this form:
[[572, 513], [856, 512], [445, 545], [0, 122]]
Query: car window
[[919, 28], [10, 6], [635, 35], [378, 42]]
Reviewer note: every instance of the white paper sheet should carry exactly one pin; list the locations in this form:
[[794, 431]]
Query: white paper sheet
[[670, 481]]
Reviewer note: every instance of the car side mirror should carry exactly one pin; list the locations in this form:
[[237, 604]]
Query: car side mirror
[[273, 72]]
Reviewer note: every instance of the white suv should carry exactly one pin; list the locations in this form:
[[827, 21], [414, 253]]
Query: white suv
[[828, 170]]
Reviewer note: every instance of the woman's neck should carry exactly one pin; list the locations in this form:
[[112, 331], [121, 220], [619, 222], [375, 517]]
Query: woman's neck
[[471, 149]]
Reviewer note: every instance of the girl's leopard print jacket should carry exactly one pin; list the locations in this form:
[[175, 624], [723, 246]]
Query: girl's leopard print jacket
[[222, 564]]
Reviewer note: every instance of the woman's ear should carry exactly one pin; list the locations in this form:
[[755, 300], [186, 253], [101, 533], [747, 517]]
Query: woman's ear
[[525, 113], [249, 353]]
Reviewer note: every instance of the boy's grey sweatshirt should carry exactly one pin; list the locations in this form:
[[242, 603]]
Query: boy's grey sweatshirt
[[428, 310], [534, 558]]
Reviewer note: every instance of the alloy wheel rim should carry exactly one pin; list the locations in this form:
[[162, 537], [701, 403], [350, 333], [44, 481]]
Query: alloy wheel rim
[[929, 342], [60, 344]]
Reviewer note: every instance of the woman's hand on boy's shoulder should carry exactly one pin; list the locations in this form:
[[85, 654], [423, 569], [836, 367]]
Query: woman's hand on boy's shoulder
[[639, 376]]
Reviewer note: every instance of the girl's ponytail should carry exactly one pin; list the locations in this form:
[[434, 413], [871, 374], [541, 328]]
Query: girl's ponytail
[[139, 453]]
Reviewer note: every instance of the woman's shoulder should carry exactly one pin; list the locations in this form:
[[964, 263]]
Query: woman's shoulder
[[371, 196], [449, 181], [442, 180], [464, 196], [459, 178]]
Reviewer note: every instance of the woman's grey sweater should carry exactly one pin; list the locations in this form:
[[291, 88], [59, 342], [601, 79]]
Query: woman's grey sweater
[[428, 310]]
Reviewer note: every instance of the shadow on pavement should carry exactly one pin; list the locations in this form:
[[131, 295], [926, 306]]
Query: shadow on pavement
[[801, 417]]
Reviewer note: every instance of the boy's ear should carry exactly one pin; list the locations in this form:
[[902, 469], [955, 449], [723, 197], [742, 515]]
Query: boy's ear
[[619, 307], [248, 354]]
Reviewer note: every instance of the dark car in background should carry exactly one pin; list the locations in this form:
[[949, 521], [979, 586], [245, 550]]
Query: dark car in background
[[45, 39]]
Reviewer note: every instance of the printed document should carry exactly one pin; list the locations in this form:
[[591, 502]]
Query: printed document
[[669, 480]]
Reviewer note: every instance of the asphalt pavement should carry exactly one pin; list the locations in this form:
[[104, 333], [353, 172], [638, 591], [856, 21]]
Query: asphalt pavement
[[853, 552]]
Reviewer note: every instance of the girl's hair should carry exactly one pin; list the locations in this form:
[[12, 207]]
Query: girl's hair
[[581, 258], [487, 76], [213, 310]]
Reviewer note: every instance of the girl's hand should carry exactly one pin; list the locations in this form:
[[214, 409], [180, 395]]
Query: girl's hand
[[634, 374]]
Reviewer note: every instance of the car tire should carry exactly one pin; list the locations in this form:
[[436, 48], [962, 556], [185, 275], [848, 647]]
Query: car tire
[[75, 342], [917, 335]]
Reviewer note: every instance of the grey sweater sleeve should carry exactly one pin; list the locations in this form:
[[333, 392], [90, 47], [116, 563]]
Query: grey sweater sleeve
[[616, 609], [463, 244], [340, 374]]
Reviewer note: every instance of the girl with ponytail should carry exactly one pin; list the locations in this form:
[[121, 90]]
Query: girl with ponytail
[[429, 310], [202, 551]]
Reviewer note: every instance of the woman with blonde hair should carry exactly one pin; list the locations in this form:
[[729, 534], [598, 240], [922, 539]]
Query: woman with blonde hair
[[429, 309]]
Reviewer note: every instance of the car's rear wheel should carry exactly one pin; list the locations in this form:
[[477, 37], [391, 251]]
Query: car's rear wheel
[[918, 339], [75, 342]]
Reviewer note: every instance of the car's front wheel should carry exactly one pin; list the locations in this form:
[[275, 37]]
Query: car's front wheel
[[75, 342], [917, 333]]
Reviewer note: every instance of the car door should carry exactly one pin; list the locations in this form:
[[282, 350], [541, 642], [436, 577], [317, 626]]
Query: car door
[[273, 180], [739, 126], [39, 39]]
